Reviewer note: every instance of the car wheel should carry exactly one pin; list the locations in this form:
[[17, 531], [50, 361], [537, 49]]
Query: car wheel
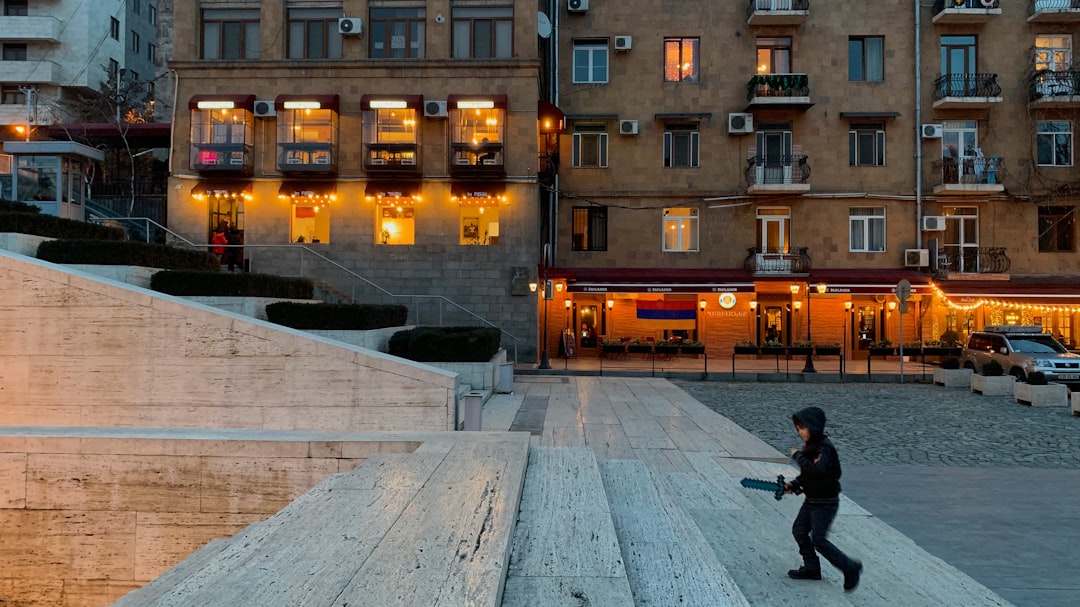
[[1018, 374]]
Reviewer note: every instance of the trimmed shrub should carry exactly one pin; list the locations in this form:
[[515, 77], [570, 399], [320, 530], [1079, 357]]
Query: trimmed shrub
[[229, 284], [13, 206], [446, 344], [992, 368], [950, 362], [345, 317], [49, 226], [126, 253], [1037, 378], [950, 338]]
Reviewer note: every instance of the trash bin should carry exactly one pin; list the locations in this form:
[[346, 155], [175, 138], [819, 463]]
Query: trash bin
[[474, 409], [506, 378]]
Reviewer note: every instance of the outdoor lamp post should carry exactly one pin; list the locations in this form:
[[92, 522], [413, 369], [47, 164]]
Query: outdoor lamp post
[[548, 296], [821, 288], [757, 321]]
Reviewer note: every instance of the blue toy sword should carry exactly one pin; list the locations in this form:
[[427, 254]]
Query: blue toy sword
[[777, 488]]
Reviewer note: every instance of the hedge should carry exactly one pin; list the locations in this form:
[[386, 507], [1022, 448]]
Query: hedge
[[126, 253], [49, 226], [344, 317], [446, 344], [231, 284]]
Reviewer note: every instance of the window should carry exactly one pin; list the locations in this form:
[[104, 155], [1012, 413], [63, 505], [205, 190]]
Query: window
[[151, 53], [1057, 226], [680, 145], [114, 70], [479, 219], [866, 143], [477, 134], [483, 33], [590, 229], [397, 33], [774, 55], [680, 59], [590, 146], [310, 220], [396, 224], [866, 58], [391, 139], [680, 229], [114, 28], [867, 229], [313, 33], [135, 41], [221, 139], [15, 8], [12, 94], [14, 52], [136, 7], [1054, 143], [230, 33], [151, 14], [590, 61], [306, 138]]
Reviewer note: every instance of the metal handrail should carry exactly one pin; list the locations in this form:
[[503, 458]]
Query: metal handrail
[[770, 6], [306, 250], [966, 85], [1038, 6]]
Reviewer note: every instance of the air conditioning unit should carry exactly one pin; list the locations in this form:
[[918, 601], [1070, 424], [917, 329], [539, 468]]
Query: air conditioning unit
[[628, 127], [933, 223], [740, 124], [435, 109], [932, 131], [264, 108], [623, 43], [350, 26], [577, 6], [916, 258]]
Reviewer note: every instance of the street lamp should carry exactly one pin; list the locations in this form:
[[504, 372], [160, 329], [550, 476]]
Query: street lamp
[[821, 288], [757, 321]]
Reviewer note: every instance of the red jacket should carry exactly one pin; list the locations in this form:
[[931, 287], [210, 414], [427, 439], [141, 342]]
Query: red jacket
[[218, 240]]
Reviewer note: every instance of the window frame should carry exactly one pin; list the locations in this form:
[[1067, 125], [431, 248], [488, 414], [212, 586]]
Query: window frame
[[13, 51], [861, 53], [114, 28], [589, 228], [248, 22], [12, 94], [136, 42], [680, 45], [864, 219], [497, 16], [589, 130], [693, 217], [693, 143], [592, 48], [856, 135], [1061, 219], [18, 9], [381, 22], [311, 21], [1053, 137]]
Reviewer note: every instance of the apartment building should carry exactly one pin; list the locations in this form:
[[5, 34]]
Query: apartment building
[[732, 170], [388, 151]]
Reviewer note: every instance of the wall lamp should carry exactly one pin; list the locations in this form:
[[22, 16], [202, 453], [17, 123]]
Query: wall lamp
[[753, 304], [533, 285], [701, 304], [794, 289], [568, 304], [848, 305], [610, 304]]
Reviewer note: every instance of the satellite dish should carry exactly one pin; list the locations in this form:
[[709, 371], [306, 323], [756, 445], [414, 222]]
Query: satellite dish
[[543, 25]]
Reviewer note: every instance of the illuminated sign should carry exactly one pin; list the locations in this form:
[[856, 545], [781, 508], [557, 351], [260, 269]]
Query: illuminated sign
[[727, 300]]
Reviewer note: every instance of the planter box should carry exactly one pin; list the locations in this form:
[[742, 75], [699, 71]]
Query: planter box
[[953, 378], [767, 351], [938, 351], [693, 350], [882, 351], [800, 350], [999, 385], [1050, 395], [746, 349], [639, 349], [827, 350]]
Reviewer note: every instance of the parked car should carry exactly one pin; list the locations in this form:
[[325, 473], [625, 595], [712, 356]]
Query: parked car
[[1021, 350]]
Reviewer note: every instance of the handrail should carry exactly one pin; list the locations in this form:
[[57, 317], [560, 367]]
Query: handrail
[[307, 250]]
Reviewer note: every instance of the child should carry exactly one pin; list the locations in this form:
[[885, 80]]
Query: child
[[819, 479]]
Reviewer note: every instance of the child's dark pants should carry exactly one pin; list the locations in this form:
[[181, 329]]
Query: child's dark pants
[[811, 530]]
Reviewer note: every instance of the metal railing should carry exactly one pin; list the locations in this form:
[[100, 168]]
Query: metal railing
[[766, 6], [1054, 83], [309, 262], [971, 170], [777, 85], [940, 5], [966, 85], [1038, 6], [793, 260], [777, 170], [956, 259]]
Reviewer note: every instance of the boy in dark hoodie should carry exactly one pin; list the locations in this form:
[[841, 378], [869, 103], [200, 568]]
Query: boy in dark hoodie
[[819, 479]]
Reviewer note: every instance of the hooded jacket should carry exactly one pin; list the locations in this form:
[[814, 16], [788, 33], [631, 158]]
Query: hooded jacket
[[819, 463]]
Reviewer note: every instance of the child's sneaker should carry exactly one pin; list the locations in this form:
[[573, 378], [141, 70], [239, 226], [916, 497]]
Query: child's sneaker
[[851, 576], [802, 573]]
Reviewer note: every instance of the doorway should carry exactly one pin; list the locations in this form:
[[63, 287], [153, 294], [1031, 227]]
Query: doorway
[[588, 323]]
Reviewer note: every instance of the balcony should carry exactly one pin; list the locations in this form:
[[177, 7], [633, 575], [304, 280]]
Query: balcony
[[792, 260], [970, 176], [1054, 89], [222, 158], [483, 159], [307, 158], [965, 12], [966, 91], [777, 12], [778, 91], [30, 29], [395, 158], [1053, 11], [956, 259], [777, 174], [37, 71]]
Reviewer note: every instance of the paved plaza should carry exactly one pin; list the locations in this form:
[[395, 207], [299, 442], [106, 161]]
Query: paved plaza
[[989, 486]]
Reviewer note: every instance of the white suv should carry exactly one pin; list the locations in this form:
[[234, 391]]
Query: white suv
[[1021, 350]]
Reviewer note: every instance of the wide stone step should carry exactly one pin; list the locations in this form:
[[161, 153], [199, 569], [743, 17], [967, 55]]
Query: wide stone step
[[565, 549]]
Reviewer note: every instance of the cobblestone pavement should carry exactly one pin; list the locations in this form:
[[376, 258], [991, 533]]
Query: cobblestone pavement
[[913, 424]]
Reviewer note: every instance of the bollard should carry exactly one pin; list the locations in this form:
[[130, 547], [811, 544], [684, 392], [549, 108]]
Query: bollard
[[474, 410]]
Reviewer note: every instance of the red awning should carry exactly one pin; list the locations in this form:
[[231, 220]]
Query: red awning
[[326, 102], [1064, 291], [221, 188], [393, 191], [307, 189], [245, 102], [463, 191], [550, 117], [415, 102], [652, 280], [498, 100], [865, 281]]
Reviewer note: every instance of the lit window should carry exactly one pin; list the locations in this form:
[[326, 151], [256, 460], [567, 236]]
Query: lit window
[[477, 134], [590, 229], [681, 59], [479, 219], [396, 224], [307, 138], [310, 220], [867, 229], [680, 229], [391, 139]]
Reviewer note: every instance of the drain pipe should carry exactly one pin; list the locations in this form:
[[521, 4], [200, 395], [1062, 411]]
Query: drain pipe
[[553, 205], [918, 128]]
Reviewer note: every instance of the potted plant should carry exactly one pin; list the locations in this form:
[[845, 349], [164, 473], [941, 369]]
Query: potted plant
[[745, 346], [801, 347], [913, 348], [950, 342], [950, 375], [693, 347], [639, 346], [827, 349], [992, 381], [667, 349], [1038, 392], [612, 348], [773, 347], [882, 348]]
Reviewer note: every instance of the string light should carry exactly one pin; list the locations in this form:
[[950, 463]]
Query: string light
[[1001, 303]]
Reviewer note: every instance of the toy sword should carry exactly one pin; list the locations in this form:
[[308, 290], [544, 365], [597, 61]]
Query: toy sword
[[777, 488]]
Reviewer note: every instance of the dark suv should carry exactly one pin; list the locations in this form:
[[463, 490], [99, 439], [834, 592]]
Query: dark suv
[[1022, 350]]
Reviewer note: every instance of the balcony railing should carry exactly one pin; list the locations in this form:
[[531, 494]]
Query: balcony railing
[[957, 259], [966, 85], [306, 158], [965, 11], [792, 260], [1051, 11], [777, 12], [777, 85], [985, 170], [940, 5], [777, 170], [391, 157], [222, 157], [1050, 86]]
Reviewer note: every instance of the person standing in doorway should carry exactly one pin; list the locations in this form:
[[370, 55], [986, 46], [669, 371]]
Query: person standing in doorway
[[234, 253]]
